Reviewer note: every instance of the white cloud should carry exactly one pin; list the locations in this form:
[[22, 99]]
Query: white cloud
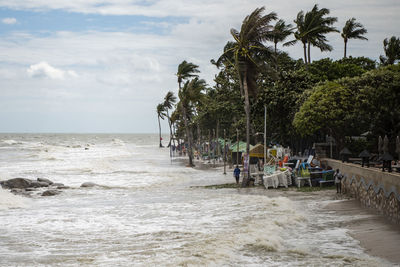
[[44, 69], [9, 20], [125, 73]]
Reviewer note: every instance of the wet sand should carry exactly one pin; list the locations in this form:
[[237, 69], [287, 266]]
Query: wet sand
[[377, 235]]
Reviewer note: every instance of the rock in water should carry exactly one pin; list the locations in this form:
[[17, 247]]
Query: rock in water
[[50, 193], [45, 180], [88, 184], [39, 184], [16, 183]]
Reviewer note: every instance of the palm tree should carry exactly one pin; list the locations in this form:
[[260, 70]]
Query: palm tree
[[279, 33], [186, 70], [392, 51], [311, 30], [190, 95], [246, 50], [352, 30], [169, 101], [160, 114]]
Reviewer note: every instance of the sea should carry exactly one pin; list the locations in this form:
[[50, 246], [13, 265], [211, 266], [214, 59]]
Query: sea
[[149, 209]]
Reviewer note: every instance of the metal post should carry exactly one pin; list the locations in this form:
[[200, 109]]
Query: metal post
[[209, 146], [265, 135], [217, 141], [237, 151], [330, 143], [214, 148], [224, 153]]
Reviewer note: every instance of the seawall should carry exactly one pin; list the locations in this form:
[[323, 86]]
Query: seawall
[[373, 188]]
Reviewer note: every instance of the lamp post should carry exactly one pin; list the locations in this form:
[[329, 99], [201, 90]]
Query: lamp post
[[265, 135], [237, 147], [224, 153]]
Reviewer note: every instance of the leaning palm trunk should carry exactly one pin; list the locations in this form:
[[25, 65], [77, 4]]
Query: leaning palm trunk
[[188, 137], [170, 129], [159, 127], [309, 52], [345, 48], [247, 111]]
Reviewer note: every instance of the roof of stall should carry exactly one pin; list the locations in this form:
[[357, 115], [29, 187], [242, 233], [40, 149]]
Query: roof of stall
[[242, 147]]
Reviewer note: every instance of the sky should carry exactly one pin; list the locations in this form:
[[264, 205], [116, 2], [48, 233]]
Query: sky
[[101, 66]]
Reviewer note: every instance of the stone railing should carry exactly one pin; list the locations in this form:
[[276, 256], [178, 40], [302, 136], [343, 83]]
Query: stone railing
[[372, 187]]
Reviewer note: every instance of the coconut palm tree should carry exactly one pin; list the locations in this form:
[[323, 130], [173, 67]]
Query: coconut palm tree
[[186, 70], [392, 51], [160, 114], [189, 95], [169, 101], [323, 26], [279, 33], [352, 30], [311, 30], [246, 52]]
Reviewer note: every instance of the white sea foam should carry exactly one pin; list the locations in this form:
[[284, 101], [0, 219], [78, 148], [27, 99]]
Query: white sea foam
[[9, 200], [150, 211]]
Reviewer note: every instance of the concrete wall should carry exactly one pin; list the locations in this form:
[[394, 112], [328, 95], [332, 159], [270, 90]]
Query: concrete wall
[[372, 187]]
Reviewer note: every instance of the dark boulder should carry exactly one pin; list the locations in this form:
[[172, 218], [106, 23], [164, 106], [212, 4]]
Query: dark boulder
[[21, 192], [45, 180], [50, 193], [88, 184], [39, 184], [16, 183], [62, 187]]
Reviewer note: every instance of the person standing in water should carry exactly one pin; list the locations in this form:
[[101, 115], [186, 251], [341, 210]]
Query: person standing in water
[[236, 173], [338, 181]]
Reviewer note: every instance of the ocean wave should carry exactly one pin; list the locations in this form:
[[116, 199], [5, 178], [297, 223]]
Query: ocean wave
[[9, 200], [11, 142]]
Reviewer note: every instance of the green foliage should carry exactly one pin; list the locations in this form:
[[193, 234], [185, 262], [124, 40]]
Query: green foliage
[[379, 99], [363, 62], [327, 69], [330, 106], [392, 51], [282, 101], [350, 106]]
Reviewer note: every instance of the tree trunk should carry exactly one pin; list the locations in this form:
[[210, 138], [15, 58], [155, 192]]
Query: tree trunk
[[198, 138], [159, 127], [309, 53], [217, 137], [345, 48], [190, 155], [305, 52], [170, 129], [275, 48], [247, 111]]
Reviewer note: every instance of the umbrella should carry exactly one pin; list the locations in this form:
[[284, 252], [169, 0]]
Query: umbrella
[[385, 144], [345, 151], [364, 154], [387, 157], [380, 144]]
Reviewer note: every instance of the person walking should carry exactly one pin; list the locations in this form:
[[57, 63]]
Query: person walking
[[236, 173], [338, 181]]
